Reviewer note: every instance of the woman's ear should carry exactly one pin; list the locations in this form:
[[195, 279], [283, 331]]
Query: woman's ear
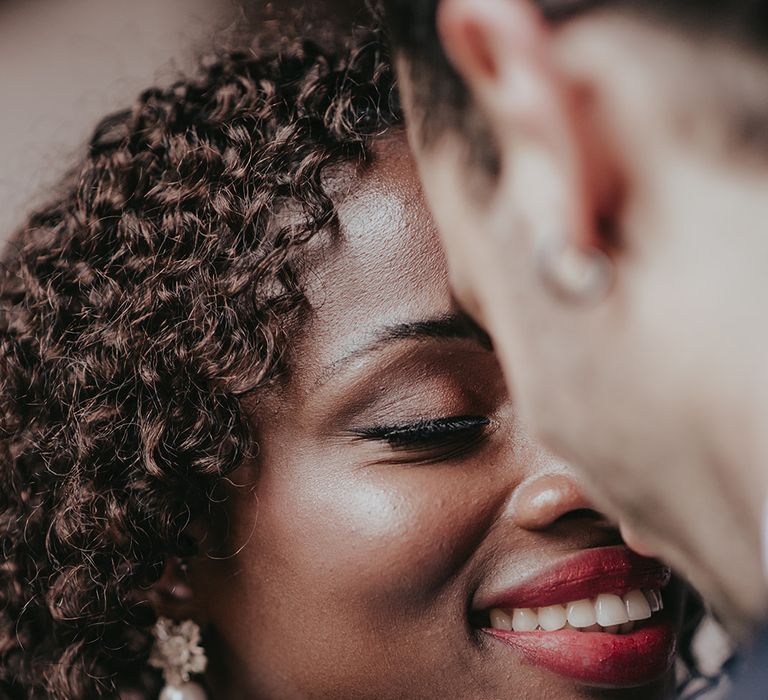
[[505, 52], [171, 596]]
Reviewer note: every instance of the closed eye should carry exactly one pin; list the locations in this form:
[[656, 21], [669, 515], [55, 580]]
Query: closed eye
[[428, 433]]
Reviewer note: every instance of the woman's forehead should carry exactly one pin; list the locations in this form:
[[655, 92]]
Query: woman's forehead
[[389, 245], [387, 265], [385, 222]]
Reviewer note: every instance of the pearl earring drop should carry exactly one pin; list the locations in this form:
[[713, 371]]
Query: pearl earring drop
[[178, 653], [574, 274]]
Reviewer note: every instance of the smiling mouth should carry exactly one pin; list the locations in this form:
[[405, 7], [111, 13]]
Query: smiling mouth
[[607, 613], [597, 618]]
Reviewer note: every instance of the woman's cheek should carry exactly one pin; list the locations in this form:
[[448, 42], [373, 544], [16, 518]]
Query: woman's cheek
[[396, 532]]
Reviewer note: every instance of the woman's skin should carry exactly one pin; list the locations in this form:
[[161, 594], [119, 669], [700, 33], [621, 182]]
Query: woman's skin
[[351, 565]]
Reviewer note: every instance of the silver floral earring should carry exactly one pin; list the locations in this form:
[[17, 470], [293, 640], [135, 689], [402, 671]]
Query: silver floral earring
[[178, 653], [576, 275]]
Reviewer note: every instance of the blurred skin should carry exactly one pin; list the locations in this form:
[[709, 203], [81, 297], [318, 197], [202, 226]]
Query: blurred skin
[[349, 564], [657, 391]]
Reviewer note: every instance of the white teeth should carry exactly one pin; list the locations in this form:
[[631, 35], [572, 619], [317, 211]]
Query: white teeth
[[610, 610], [552, 618], [525, 620], [637, 605], [582, 613], [501, 621], [654, 600], [605, 613]]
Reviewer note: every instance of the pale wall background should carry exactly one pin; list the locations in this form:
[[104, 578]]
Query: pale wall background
[[66, 63]]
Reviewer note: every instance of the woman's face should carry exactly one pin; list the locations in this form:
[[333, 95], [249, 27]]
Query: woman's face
[[396, 500]]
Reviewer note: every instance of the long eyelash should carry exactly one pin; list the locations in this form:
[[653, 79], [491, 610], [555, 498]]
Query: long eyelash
[[425, 432]]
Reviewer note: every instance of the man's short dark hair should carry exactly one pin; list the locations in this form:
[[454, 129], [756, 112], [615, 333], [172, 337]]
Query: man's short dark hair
[[441, 97]]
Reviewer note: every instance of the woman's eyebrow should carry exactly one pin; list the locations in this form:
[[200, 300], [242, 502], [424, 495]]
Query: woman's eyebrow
[[457, 326], [451, 326]]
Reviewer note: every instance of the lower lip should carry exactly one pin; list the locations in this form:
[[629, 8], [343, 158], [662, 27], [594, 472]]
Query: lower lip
[[598, 659]]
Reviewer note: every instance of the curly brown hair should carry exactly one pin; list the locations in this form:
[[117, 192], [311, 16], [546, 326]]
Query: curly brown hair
[[137, 312]]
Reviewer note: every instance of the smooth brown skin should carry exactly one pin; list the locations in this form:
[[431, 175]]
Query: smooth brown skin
[[352, 565]]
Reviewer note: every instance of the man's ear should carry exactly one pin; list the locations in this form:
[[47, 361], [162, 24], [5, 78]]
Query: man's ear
[[504, 51]]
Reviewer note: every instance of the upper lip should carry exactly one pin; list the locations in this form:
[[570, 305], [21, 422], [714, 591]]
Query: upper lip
[[615, 570]]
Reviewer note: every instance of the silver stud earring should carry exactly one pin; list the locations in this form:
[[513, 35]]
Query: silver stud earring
[[575, 275], [178, 653]]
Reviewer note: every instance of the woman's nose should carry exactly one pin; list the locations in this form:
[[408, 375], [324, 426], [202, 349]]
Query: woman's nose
[[542, 500]]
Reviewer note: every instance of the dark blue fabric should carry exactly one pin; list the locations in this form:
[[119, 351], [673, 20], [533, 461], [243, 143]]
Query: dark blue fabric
[[752, 681]]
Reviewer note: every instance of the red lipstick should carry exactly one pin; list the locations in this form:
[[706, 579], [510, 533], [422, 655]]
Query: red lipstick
[[615, 570], [598, 659], [594, 658]]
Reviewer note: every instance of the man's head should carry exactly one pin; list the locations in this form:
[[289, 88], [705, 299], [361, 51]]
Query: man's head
[[597, 169], [438, 79]]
